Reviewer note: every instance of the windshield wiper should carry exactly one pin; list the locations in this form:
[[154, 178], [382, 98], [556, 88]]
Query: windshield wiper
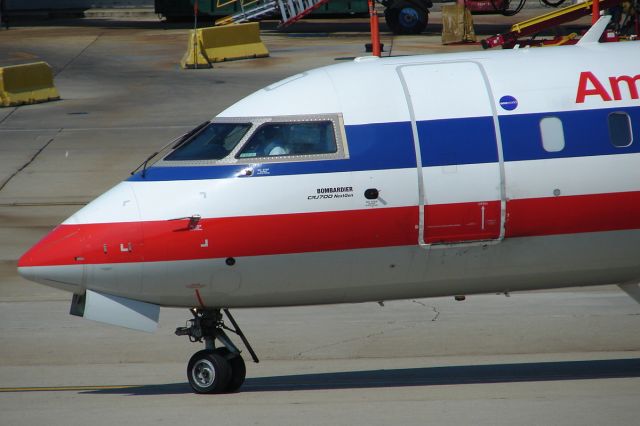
[[145, 162], [144, 165], [175, 142]]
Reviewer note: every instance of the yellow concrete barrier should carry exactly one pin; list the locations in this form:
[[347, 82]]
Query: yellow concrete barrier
[[226, 43], [27, 84], [195, 56]]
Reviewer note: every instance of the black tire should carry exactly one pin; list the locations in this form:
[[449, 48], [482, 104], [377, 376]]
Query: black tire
[[238, 369], [406, 19], [208, 372]]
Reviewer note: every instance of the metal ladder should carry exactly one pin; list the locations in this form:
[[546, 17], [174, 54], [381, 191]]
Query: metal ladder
[[290, 11]]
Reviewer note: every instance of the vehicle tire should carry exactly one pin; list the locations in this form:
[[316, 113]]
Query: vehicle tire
[[406, 19], [208, 372], [238, 369]]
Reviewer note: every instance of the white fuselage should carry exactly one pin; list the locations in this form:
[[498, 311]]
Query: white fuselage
[[486, 172]]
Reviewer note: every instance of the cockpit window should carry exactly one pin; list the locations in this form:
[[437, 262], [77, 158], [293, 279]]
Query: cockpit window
[[213, 142], [291, 139]]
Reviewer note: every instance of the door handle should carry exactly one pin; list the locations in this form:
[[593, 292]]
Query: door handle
[[194, 221]]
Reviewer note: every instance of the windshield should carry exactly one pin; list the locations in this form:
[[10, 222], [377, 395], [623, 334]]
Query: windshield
[[279, 139], [212, 142]]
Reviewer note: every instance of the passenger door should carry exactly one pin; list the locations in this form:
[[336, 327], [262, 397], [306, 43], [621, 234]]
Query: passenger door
[[461, 186]]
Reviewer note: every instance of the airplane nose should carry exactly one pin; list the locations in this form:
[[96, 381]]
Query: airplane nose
[[56, 260], [106, 232]]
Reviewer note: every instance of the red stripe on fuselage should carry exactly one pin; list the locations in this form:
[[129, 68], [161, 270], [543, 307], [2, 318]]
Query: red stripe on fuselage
[[278, 234], [573, 214], [228, 237], [326, 231]]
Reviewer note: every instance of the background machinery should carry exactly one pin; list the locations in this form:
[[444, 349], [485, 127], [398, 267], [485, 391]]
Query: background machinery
[[402, 16]]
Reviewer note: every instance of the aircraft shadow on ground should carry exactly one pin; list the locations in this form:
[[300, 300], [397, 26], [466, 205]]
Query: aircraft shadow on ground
[[429, 376]]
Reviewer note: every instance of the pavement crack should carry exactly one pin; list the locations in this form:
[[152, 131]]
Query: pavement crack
[[64, 67], [436, 312], [341, 342], [374, 334], [31, 160], [419, 303], [8, 115]]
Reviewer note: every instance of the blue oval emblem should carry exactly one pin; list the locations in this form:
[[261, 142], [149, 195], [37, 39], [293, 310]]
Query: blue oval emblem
[[509, 103]]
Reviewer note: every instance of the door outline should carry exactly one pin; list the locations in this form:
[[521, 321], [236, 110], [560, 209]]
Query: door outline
[[416, 144]]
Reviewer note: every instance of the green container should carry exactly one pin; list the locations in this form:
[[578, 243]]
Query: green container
[[184, 8], [340, 7]]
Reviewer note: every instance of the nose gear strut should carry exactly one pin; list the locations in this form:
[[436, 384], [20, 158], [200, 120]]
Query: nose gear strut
[[215, 370]]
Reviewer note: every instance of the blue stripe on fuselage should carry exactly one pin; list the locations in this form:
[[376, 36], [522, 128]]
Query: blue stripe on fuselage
[[586, 134], [383, 146], [457, 141]]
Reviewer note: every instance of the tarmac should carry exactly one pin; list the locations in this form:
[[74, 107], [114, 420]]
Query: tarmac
[[565, 357]]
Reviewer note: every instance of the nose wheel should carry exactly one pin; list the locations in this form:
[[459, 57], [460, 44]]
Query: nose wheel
[[208, 372], [215, 370]]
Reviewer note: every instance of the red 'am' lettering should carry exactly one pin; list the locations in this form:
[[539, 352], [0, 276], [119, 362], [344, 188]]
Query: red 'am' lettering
[[589, 85], [632, 85], [587, 77]]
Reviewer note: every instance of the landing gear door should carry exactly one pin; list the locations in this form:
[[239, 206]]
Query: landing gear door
[[459, 159]]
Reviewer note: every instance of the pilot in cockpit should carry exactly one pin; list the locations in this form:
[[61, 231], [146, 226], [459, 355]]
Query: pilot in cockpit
[[273, 142]]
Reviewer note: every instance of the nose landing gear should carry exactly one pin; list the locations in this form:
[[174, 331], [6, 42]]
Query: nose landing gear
[[215, 370]]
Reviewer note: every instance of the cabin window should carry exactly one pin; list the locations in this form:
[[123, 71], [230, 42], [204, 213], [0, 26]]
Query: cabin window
[[212, 141], [291, 139], [620, 132], [552, 133]]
